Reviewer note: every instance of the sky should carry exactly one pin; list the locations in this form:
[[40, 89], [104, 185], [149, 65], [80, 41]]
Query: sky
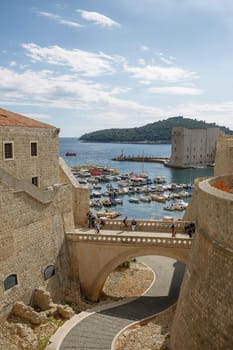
[[90, 65]]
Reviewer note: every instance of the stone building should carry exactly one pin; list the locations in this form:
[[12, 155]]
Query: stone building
[[40, 200], [204, 314], [193, 147]]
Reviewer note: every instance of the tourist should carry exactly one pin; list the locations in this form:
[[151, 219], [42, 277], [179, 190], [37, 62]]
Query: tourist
[[133, 224], [89, 218], [97, 226], [102, 222], [173, 229], [93, 220], [125, 221]]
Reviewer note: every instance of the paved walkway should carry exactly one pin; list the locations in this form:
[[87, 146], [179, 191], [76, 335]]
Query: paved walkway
[[98, 330]]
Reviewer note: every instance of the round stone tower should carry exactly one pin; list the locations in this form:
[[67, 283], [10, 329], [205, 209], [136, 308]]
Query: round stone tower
[[204, 315]]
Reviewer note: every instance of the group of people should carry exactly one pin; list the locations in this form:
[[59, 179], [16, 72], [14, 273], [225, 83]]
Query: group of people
[[93, 222], [133, 223], [189, 229]]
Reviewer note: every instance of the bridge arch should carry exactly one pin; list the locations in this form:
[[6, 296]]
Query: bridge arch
[[94, 257], [118, 259]]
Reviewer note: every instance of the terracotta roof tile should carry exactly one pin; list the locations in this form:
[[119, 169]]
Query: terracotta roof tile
[[8, 118]]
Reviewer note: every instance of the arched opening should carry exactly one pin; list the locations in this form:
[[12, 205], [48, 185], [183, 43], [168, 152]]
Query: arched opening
[[141, 274]]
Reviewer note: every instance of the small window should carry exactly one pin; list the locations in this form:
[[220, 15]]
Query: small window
[[10, 282], [49, 272], [8, 150], [33, 149], [35, 180]]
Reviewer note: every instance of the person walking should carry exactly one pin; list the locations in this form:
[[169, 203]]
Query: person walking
[[133, 224], [97, 226], [125, 221], [173, 229], [89, 217]]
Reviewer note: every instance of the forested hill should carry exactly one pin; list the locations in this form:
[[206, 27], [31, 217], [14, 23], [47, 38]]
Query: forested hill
[[158, 132]]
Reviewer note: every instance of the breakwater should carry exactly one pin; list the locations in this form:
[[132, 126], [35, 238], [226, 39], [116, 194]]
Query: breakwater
[[141, 159]]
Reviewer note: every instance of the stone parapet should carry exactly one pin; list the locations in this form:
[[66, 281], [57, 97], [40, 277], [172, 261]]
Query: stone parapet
[[145, 225]]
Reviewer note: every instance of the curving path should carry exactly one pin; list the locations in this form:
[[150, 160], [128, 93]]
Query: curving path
[[97, 331]]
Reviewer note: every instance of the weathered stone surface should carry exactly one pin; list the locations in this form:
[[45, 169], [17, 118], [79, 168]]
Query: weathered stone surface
[[65, 311], [203, 319], [27, 313], [43, 299]]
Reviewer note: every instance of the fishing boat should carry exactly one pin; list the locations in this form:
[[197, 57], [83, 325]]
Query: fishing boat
[[134, 200], [108, 214], [71, 154], [158, 198], [145, 199]]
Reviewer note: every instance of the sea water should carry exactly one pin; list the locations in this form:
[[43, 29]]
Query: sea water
[[103, 154]]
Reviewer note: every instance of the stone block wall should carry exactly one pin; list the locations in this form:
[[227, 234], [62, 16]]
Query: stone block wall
[[224, 156], [32, 237], [204, 314], [23, 165], [80, 194]]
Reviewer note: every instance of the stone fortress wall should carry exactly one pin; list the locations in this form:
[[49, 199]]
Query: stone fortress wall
[[35, 219], [204, 314], [193, 147]]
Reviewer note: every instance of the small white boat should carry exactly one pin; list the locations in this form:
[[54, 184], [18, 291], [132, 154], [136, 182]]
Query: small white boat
[[134, 200], [108, 214], [118, 201], [146, 199], [96, 194], [160, 179], [158, 198]]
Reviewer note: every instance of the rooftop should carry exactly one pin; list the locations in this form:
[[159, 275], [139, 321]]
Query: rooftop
[[8, 118]]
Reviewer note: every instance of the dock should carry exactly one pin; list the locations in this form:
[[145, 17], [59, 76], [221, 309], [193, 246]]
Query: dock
[[141, 159]]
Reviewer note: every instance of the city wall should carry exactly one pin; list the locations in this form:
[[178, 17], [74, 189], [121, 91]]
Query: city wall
[[32, 237], [203, 318]]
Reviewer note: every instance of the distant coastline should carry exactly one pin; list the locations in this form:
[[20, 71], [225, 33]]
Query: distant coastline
[[128, 142]]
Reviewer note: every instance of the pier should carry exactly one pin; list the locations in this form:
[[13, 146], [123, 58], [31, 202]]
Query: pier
[[147, 159]]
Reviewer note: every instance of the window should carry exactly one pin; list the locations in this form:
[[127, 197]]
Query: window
[[33, 149], [35, 180], [49, 272], [10, 282], [8, 150]]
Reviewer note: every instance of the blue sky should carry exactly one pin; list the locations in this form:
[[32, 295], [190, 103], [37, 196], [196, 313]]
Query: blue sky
[[91, 65]]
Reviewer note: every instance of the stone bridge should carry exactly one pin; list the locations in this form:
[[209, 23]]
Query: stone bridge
[[95, 256]]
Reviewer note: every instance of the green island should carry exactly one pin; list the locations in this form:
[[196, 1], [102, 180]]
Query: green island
[[158, 132]]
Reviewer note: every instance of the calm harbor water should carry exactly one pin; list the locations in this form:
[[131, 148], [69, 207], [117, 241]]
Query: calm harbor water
[[102, 154]]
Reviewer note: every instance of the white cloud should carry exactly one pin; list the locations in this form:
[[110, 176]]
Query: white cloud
[[151, 73], [144, 48], [141, 61], [59, 19], [98, 18], [176, 90], [68, 92], [86, 63]]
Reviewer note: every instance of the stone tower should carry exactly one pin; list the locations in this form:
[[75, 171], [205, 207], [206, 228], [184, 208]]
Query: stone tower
[[204, 315], [193, 147]]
